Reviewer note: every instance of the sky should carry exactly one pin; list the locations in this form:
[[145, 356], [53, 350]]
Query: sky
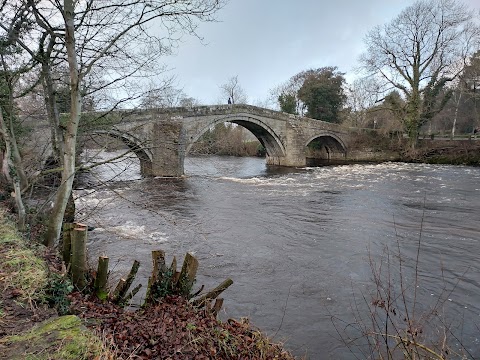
[[265, 42]]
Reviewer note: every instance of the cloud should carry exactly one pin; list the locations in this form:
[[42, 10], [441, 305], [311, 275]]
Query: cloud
[[265, 42]]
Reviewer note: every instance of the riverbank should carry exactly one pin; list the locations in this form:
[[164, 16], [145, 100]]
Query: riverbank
[[369, 147], [35, 290], [453, 152]]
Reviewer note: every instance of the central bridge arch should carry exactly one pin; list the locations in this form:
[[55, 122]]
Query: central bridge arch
[[264, 133]]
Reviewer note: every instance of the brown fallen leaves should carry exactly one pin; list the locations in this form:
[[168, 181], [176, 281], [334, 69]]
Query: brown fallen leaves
[[173, 329]]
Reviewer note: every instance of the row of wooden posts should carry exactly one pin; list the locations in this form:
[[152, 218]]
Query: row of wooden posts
[[164, 280]]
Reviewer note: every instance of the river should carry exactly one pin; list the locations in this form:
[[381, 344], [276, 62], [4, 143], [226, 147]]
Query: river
[[298, 242]]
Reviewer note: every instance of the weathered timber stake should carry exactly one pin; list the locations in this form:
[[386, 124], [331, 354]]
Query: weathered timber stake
[[158, 259], [120, 286], [79, 256], [67, 243], [159, 267], [188, 274], [124, 284], [100, 284], [217, 306], [173, 266], [129, 280], [213, 293], [124, 301], [175, 278]]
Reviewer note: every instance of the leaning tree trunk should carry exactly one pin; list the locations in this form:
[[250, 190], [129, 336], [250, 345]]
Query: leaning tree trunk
[[11, 171], [68, 173], [17, 158], [51, 101]]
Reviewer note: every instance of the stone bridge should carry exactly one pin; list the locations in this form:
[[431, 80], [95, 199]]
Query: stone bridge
[[162, 138]]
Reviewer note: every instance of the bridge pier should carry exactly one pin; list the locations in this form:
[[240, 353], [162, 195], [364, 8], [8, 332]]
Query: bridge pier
[[168, 149], [286, 161]]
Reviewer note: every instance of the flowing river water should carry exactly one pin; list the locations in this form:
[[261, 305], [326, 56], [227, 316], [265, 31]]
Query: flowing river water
[[298, 243]]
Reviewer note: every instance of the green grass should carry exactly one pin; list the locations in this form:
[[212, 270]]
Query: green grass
[[21, 268], [61, 338]]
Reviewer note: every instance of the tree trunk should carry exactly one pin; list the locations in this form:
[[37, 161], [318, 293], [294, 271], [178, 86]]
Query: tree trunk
[[52, 112], [21, 214], [457, 104], [68, 173], [10, 168], [16, 157]]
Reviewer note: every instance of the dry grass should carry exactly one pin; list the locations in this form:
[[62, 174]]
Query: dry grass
[[20, 268]]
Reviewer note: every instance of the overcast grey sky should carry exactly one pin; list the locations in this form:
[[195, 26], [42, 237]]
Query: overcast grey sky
[[265, 42]]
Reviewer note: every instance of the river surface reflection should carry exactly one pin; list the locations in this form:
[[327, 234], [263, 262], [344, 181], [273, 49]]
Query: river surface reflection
[[297, 242]]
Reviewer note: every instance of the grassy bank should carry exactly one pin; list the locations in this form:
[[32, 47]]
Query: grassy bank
[[29, 327], [33, 288]]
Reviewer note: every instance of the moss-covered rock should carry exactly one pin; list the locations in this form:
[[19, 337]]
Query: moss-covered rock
[[61, 338]]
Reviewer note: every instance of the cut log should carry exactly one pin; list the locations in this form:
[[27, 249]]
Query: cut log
[[67, 243], [173, 266], [159, 267], [217, 306], [213, 294], [158, 260], [79, 256], [187, 275], [124, 301], [119, 288], [129, 279], [100, 285]]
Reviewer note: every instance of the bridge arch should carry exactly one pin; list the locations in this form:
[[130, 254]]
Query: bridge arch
[[325, 146], [264, 133], [136, 145]]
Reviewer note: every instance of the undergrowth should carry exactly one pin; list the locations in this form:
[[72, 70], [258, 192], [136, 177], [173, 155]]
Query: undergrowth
[[398, 319]]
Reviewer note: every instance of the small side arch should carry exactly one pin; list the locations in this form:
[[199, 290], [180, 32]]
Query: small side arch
[[324, 148], [264, 133], [136, 145]]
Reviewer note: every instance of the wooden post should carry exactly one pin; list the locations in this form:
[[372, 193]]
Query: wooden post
[[159, 267], [213, 293], [120, 286], [188, 274], [79, 256], [124, 284], [124, 301], [130, 278], [217, 306], [100, 284], [67, 243], [158, 271]]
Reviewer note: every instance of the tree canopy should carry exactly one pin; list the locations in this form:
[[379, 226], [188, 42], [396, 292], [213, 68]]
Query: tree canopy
[[316, 93], [419, 53], [232, 91], [322, 93]]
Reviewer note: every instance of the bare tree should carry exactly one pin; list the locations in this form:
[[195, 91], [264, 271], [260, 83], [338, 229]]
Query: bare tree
[[115, 40], [14, 63], [362, 95], [418, 53], [233, 91], [166, 95]]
